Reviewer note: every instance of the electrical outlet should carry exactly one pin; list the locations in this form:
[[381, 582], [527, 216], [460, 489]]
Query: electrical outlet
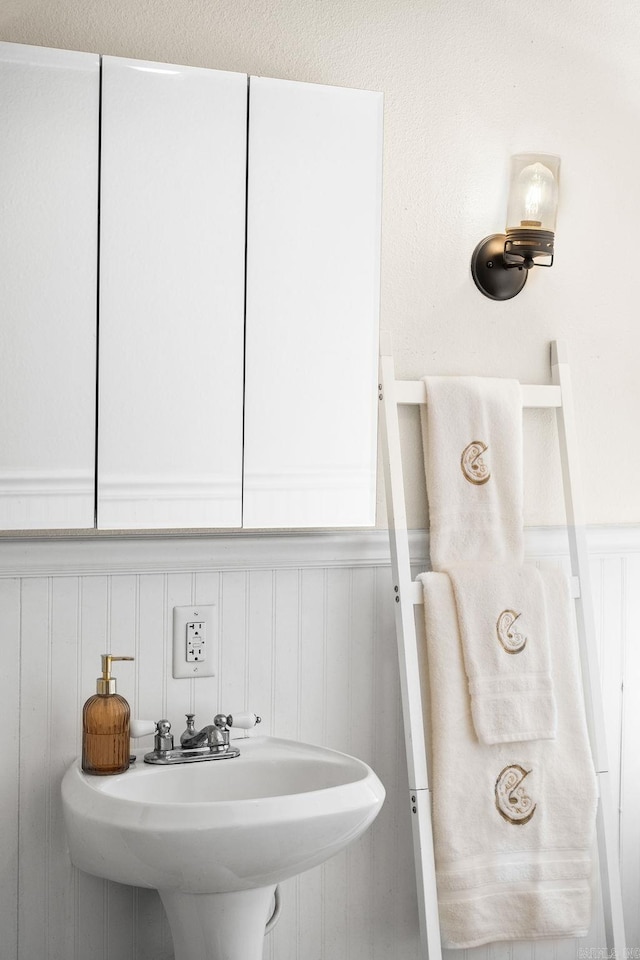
[[194, 641]]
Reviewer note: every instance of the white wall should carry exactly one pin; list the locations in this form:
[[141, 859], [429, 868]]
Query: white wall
[[308, 641], [466, 85]]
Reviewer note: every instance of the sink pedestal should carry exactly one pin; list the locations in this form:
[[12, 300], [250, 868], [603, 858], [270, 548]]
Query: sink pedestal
[[218, 926]]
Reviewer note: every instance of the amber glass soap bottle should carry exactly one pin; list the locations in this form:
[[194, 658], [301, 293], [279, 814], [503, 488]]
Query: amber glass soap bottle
[[105, 726]]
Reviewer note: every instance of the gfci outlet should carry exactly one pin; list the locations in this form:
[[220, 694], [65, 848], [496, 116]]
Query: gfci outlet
[[195, 641]]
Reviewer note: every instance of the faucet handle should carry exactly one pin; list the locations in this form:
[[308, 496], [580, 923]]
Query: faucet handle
[[141, 728], [243, 720]]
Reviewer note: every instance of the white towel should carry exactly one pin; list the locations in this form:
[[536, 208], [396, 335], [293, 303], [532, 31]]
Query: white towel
[[472, 437], [502, 619], [513, 822]]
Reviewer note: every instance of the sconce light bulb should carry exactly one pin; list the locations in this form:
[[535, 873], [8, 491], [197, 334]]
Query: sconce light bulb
[[533, 196], [540, 194]]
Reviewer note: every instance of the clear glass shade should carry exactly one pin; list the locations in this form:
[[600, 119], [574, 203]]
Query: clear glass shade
[[533, 192]]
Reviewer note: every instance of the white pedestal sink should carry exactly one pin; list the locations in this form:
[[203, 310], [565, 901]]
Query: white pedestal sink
[[215, 838]]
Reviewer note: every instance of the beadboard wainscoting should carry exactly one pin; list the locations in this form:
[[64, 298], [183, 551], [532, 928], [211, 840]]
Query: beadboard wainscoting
[[307, 640]]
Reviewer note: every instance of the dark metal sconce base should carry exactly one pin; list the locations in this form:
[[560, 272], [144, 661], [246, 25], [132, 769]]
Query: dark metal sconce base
[[490, 274]]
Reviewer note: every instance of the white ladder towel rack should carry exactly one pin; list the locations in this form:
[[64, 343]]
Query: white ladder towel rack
[[407, 595]]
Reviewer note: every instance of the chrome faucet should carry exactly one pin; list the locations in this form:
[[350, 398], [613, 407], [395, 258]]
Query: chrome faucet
[[215, 734], [209, 743]]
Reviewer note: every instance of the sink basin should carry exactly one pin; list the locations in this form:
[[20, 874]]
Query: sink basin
[[274, 811], [219, 829]]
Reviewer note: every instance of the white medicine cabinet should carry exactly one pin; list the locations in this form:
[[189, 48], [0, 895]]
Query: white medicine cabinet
[[189, 296]]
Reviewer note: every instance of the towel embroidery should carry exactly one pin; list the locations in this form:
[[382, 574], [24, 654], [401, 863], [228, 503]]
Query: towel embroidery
[[511, 640], [512, 801], [473, 466]]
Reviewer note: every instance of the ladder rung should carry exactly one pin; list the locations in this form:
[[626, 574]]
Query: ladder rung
[[417, 598], [533, 395]]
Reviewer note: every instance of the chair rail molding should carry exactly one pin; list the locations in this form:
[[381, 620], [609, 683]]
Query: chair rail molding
[[38, 554]]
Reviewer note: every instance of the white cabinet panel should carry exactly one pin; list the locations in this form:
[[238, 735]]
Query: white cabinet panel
[[172, 245], [313, 239], [48, 251]]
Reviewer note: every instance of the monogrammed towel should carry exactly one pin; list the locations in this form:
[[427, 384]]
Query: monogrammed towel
[[513, 823], [472, 439], [505, 623]]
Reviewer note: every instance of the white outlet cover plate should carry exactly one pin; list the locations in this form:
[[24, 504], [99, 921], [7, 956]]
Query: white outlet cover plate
[[207, 614]]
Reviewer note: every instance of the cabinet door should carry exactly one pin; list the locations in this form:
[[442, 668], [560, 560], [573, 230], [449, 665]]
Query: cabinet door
[[48, 255], [313, 241], [171, 318]]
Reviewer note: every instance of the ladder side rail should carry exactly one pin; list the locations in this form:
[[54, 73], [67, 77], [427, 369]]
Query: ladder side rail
[[606, 819], [413, 716], [402, 579]]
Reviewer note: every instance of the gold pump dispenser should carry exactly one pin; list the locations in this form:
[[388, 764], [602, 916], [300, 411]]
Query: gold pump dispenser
[[105, 726]]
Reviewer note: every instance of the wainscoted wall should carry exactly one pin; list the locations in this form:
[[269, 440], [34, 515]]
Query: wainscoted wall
[[307, 640]]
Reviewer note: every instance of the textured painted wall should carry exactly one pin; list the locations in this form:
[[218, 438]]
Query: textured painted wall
[[466, 84]]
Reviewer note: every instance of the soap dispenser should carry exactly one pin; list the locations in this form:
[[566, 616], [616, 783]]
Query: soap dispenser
[[105, 726]]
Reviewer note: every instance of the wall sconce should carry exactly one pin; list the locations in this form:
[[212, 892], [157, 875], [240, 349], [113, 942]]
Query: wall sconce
[[500, 263]]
